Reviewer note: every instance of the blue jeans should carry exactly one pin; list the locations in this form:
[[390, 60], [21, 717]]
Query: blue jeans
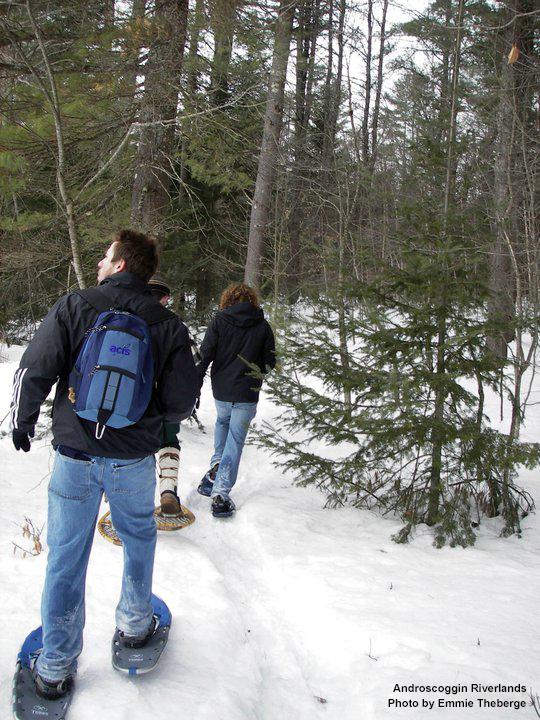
[[75, 491], [232, 425]]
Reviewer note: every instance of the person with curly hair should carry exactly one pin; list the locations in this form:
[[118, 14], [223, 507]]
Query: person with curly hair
[[237, 338]]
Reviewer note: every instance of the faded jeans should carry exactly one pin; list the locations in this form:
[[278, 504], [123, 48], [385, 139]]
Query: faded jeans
[[75, 491], [232, 425]]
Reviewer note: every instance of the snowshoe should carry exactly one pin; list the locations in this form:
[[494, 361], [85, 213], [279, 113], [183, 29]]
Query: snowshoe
[[164, 522], [222, 507], [138, 655], [32, 696]]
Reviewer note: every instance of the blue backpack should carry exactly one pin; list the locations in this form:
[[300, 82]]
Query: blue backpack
[[112, 380]]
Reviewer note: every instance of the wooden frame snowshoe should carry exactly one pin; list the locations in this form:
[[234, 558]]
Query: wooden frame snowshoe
[[163, 522]]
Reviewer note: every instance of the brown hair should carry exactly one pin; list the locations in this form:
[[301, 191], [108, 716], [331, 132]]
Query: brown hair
[[139, 251], [237, 293]]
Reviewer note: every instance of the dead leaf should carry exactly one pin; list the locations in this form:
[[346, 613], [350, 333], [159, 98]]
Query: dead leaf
[[513, 55]]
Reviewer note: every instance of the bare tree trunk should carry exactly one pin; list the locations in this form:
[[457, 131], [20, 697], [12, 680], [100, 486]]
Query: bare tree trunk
[[270, 142], [441, 391], [194, 40], [192, 82], [514, 228], [435, 484], [366, 141], [223, 25], [501, 276], [378, 94], [133, 48], [150, 196], [52, 96], [367, 94], [308, 30], [329, 82], [347, 208], [450, 164], [344, 212], [108, 12], [333, 95], [444, 89]]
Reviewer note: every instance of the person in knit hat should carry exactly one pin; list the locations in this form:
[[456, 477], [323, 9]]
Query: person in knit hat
[[168, 459]]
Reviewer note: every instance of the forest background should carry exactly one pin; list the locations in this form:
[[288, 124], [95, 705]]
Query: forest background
[[380, 180]]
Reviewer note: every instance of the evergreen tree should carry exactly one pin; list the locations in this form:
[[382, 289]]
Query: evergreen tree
[[414, 438], [64, 130]]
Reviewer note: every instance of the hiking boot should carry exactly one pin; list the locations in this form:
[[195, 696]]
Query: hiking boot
[[206, 484], [170, 504], [136, 641], [53, 690], [222, 507]]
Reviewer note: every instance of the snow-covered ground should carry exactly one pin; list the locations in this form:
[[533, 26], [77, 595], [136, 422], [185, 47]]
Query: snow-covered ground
[[288, 611]]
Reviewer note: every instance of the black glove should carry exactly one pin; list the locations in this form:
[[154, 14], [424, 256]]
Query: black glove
[[21, 439]]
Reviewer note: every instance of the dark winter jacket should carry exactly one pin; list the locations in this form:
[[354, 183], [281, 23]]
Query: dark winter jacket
[[237, 336], [53, 350]]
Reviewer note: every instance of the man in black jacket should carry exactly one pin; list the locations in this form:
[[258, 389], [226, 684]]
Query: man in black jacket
[[237, 338], [120, 464]]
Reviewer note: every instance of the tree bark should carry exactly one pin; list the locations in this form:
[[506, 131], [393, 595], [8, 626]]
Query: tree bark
[[378, 93], [435, 483], [268, 155], [333, 95], [133, 45], [223, 26], [450, 162], [367, 94], [501, 278], [192, 84], [150, 195], [306, 38]]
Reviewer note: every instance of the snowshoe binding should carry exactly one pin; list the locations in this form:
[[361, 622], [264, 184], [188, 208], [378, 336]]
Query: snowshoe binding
[[222, 507], [170, 504], [138, 655], [207, 483]]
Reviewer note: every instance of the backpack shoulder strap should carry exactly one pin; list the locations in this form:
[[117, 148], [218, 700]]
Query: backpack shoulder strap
[[153, 313]]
